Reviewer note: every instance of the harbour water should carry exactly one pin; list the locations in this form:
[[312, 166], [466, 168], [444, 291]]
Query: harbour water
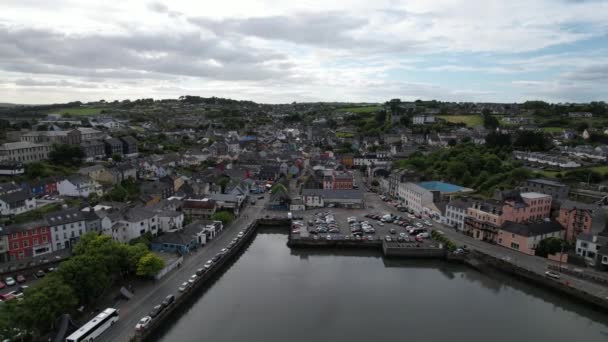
[[272, 293]]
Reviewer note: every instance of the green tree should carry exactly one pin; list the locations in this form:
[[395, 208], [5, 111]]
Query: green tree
[[550, 245], [88, 275], [67, 155], [224, 216], [44, 303], [117, 194], [149, 265], [117, 157], [36, 170]]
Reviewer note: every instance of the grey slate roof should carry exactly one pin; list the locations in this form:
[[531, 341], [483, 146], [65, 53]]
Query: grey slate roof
[[64, 216], [336, 194], [16, 196], [547, 182], [531, 229]]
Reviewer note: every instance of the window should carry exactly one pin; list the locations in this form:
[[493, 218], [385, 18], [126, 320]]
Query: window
[[514, 245], [26, 243], [15, 235], [35, 241], [43, 230], [44, 239], [15, 245]]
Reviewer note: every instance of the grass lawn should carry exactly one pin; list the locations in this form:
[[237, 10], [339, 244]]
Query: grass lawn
[[552, 129], [469, 120], [77, 111], [367, 109], [601, 169]]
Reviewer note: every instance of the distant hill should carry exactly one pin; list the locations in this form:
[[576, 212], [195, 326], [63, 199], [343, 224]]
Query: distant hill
[[8, 105]]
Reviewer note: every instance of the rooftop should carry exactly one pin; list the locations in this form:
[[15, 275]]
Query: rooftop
[[533, 195], [442, 187], [546, 182], [531, 229]]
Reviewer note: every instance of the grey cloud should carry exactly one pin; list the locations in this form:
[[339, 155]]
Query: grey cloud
[[328, 30], [137, 55], [594, 73], [159, 7], [29, 82]]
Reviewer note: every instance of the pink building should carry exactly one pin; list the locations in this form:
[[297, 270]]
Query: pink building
[[580, 218], [485, 218], [528, 206], [524, 237]]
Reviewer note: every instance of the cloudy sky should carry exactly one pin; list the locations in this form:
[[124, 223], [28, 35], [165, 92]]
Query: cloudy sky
[[278, 51]]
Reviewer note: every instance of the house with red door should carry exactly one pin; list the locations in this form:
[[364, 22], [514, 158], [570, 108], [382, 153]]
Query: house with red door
[[26, 240]]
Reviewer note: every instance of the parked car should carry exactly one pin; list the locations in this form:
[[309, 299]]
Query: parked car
[[184, 287], [20, 279], [423, 235], [392, 231], [553, 275], [156, 311], [2, 284], [387, 238], [168, 300], [193, 279], [40, 274], [143, 323], [10, 281]]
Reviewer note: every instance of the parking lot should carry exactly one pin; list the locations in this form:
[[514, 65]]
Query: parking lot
[[365, 225]]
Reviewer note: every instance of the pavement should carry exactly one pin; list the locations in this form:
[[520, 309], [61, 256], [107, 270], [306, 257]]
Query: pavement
[[150, 293]]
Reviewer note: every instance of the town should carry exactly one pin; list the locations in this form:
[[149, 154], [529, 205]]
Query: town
[[128, 199]]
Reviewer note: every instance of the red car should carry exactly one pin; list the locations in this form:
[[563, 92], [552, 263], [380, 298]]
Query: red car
[[20, 279], [2, 284]]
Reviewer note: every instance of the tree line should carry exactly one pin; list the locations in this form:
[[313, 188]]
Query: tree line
[[97, 263]]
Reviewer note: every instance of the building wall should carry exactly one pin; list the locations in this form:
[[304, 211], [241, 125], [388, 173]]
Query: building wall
[[455, 216], [29, 243], [587, 249], [64, 236], [27, 154], [513, 241], [523, 244], [575, 221], [555, 192]]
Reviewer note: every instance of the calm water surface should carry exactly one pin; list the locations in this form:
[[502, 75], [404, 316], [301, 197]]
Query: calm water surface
[[274, 294]]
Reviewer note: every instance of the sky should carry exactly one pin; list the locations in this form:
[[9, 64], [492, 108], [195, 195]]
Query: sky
[[276, 51]]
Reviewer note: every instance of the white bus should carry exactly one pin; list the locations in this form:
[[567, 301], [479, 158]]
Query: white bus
[[94, 327]]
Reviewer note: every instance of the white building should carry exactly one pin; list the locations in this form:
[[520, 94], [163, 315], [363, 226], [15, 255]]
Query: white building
[[587, 246], [67, 226], [415, 197], [170, 220], [128, 224], [423, 119], [17, 202], [78, 186], [456, 211], [25, 152]]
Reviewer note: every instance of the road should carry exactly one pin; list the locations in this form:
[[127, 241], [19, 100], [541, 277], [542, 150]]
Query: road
[[152, 293]]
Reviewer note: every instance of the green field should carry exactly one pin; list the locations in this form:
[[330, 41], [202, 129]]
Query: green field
[[469, 120], [367, 109], [77, 111], [552, 129]]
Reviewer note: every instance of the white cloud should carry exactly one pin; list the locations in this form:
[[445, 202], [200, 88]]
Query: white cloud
[[279, 51]]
